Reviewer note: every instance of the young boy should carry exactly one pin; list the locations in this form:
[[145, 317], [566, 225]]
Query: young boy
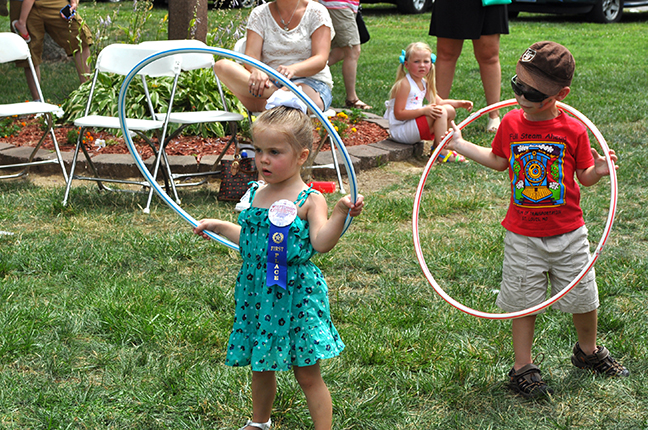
[[546, 239]]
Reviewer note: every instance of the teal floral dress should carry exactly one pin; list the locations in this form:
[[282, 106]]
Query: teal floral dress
[[275, 329]]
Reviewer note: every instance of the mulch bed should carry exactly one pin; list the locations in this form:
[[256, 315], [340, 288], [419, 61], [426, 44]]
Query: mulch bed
[[366, 133]]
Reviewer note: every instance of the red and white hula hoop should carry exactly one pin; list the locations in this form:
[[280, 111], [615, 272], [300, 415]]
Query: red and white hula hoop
[[606, 231]]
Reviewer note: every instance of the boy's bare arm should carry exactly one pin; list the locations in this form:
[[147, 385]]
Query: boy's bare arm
[[477, 153], [591, 175]]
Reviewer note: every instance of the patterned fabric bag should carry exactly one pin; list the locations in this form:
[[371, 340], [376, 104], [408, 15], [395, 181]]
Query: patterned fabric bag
[[237, 174]]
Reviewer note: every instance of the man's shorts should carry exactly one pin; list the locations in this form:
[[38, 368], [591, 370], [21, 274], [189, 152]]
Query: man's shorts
[[532, 263], [346, 28], [45, 17]]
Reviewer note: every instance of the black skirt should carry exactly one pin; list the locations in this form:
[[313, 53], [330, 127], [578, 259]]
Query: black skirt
[[467, 19]]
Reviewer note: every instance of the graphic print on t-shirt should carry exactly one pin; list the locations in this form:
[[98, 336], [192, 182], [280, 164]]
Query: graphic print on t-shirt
[[538, 172]]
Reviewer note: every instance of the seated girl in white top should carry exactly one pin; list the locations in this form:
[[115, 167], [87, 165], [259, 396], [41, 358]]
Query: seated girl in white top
[[409, 120], [294, 38]]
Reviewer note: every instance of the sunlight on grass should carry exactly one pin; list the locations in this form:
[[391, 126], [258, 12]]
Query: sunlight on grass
[[116, 319]]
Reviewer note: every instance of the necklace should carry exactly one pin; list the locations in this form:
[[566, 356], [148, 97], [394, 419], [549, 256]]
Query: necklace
[[286, 24]]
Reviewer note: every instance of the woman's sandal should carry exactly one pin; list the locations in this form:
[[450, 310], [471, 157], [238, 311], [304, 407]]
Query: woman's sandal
[[262, 426], [458, 158], [493, 125], [357, 104]]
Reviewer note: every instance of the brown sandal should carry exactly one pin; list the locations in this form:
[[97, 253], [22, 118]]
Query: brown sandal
[[357, 104]]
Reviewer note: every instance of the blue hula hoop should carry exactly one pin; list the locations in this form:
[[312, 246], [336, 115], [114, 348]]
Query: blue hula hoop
[[353, 184]]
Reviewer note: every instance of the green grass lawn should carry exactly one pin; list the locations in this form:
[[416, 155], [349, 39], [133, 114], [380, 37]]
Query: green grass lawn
[[110, 318]]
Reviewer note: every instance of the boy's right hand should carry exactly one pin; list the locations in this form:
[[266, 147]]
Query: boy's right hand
[[456, 136]]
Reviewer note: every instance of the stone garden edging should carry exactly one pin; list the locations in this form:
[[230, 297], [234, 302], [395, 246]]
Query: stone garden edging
[[121, 166]]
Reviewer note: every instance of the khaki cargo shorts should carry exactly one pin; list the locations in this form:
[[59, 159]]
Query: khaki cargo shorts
[[532, 263], [346, 28], [44, 18]]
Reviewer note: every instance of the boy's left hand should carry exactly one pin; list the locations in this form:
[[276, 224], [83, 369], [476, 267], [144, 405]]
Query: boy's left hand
[[600, 163]]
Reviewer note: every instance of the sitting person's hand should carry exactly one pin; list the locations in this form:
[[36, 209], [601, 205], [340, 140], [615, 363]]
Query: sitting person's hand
[[433, 111], [287, 71], [466, 104], [258, 82]]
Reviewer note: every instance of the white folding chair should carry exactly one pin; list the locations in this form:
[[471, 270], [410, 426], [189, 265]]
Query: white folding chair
[[188, 62], [12, 48], [121, 59], [239, 46]]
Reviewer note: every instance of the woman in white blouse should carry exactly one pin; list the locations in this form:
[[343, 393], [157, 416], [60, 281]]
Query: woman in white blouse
[[294, 38]]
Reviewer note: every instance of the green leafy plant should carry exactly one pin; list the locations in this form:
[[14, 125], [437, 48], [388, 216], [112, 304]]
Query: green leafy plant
[[9, 127], [72, 136], [229, 27], [197, 91], [355, 115], [138, 19]]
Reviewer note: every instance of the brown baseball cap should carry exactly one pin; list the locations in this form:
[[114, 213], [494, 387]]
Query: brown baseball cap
[[547, 67]]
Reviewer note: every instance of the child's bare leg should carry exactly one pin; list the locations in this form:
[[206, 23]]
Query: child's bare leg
[[317, 395], [586, 326], [441, 125], [26, 7], [523, 330], [264, 389]]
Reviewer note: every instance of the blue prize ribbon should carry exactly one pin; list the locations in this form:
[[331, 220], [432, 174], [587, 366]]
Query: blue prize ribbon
[[277, 271]]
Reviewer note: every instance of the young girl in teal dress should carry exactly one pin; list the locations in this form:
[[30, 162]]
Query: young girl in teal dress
[[286, 326]]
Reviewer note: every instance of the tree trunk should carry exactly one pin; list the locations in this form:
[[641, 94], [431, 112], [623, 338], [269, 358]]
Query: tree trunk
[[188, 19], [52, 52]]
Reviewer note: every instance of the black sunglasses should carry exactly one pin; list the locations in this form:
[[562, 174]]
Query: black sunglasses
[[534, 96]]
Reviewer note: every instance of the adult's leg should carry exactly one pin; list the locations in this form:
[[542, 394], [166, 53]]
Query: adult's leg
[[264, 389], [349, 70], [487, 55], [317, 395], [236, 78], [33, 89], [448, 52], [81, 63], [312, 94], [336, 54]]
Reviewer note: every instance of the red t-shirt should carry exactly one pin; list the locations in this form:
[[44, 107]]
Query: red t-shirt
[[543, 158]]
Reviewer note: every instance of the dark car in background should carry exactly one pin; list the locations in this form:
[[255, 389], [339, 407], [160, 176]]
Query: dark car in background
[[604, 11]]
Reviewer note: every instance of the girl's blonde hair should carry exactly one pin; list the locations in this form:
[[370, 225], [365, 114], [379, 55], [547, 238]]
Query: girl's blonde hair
[[429, 78], [292, 123]]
